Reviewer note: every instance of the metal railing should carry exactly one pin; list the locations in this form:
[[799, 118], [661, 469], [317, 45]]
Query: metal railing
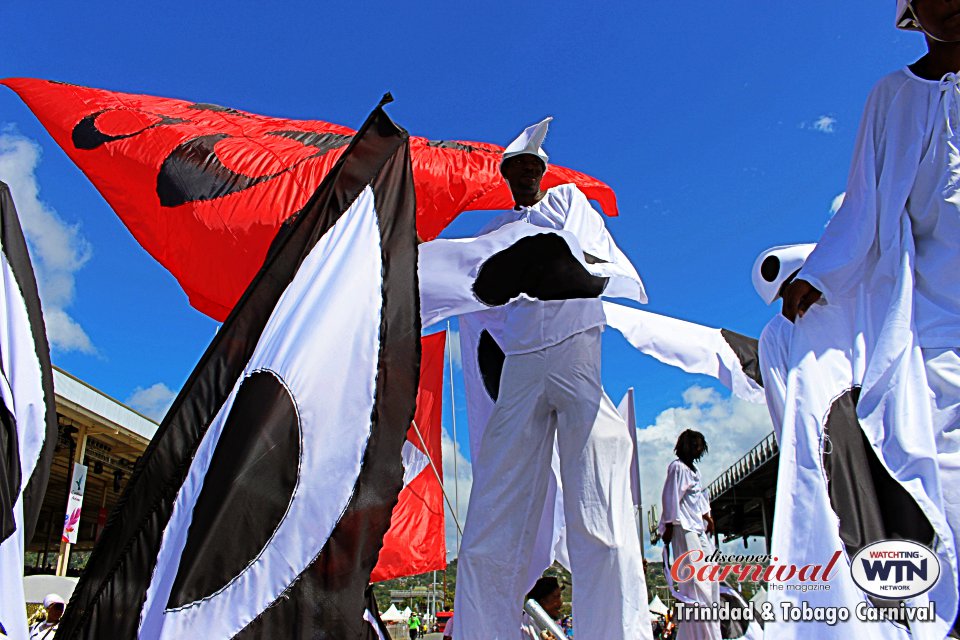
[[750, 462]]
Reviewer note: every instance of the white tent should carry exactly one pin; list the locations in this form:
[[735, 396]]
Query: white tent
[[406, 613], [392, 615], [657, 606], [759, 597], [36, 588]]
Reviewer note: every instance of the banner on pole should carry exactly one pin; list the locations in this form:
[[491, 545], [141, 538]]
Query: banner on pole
[[71, 521]]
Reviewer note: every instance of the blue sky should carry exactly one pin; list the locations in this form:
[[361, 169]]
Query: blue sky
[[725, 128]]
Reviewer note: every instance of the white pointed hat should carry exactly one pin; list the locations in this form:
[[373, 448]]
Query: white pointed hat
[[530, 141], [905, 19], [775, 265]]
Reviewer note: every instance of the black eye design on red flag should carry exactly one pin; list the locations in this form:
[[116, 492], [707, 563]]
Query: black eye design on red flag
[[193, 172], [126, 123]]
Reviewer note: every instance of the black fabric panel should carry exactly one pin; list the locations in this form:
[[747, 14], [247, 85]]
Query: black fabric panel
[[374, 610], [15, 250], [10, 472], [327, 601], [746, 349], [112, 589], [732, 628], [871, 505], [540, 266], [246, 490], [490, 358]]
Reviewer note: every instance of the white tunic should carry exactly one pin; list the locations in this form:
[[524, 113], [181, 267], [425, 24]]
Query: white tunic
[[774, 354], [889, 260], [529, 325], [906, 158], [684, 500]]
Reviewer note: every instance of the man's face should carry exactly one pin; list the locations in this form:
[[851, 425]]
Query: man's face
[[54, 612], [552, 603], [939, 18], [524, 173]]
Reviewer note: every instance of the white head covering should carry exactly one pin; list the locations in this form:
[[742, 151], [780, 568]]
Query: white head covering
[[530, 141], [51, 599], [775, 265], [905, 19]]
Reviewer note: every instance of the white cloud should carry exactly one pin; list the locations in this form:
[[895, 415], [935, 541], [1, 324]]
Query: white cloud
[[453, 343], [58, 250], [731, 427], [457, 488], [823, 124], [152, 401], [837, 202]]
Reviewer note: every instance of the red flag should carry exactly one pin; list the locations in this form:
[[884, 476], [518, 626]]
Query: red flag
[[415, 542], [204, 188]]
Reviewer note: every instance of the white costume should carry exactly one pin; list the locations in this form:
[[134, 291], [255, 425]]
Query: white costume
[[888, 266], [550, 399], [684, 505], [550, 390]]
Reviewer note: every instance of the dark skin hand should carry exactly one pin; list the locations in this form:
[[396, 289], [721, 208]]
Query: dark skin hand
[[667, 533]]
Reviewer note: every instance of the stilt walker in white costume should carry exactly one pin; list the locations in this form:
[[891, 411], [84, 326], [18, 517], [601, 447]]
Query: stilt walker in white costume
[[550, 391], [892, 252], [773, 271], [686, 525]]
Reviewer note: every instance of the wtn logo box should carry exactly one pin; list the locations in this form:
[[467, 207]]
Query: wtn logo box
[[895, 569]]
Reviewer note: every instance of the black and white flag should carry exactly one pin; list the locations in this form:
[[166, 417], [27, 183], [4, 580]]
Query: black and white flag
[[261, 504], [28, 418]]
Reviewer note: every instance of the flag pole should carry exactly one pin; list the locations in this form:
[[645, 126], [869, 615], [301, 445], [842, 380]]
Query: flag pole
[[453, 414], [632, 422], [436, 474]]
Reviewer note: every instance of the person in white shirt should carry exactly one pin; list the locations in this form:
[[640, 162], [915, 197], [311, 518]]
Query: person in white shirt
[[686, 525], [47, 628], [550, 391], [897, 238]]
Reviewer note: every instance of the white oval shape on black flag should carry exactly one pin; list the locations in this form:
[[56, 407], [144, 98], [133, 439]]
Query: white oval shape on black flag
[[296, 338], [260, 507]]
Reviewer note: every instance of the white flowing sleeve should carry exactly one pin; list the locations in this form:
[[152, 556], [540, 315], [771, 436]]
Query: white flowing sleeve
[[675, 485], [587, 225], [704, 502], [882, 173], [774, 354]]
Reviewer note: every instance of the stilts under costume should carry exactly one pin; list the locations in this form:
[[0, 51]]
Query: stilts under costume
[[887, 264], [550, 391]]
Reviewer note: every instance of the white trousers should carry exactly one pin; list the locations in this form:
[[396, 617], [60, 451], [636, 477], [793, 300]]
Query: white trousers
[[703, 591], [943, 378], [553, 393]]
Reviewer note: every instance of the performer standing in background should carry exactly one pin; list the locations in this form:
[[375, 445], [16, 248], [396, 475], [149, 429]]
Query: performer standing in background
[[550, 390], [898, 234], [686, 525]]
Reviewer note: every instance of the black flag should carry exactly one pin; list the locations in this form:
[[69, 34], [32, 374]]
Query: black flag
[[261, 504], [28, 417]]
